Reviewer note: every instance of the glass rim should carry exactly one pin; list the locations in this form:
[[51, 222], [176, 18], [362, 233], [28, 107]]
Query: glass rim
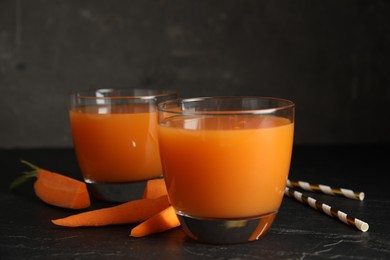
[[92, 93], [288, 104]]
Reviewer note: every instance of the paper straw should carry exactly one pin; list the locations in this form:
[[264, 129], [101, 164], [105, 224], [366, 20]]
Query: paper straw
[[357, 195], [343, 217]]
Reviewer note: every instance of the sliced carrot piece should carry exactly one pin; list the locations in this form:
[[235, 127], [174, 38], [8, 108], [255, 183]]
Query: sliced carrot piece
[[162, 221], [61, 191], [56, 189], [154, 189], [126, 213]]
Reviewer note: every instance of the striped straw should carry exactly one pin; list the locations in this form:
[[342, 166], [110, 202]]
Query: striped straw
[[343, 217], [326, 189]]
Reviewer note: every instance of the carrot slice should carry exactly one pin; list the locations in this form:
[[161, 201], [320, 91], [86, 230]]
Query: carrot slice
[[154, 189], [126, 213], [56, 189], [61, 191], [162, 221]]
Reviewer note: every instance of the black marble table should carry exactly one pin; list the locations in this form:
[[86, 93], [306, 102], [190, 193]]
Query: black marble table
[[299, 231]]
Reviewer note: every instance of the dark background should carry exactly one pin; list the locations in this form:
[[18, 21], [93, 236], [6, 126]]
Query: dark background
[[330, 57]]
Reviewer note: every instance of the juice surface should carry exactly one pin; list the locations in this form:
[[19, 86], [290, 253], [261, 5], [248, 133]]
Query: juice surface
[[116, 144], [226, 167]]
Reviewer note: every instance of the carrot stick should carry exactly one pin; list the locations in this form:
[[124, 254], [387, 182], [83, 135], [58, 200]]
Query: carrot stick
[[56, 189], [155, 188], [162, 221], [129, 212]]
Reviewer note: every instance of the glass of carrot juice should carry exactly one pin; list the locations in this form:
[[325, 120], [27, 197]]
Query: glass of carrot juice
[[225, 163], [114, 134]]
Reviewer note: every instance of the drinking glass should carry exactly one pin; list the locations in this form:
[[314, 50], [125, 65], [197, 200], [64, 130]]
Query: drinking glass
[[226, 162], [114, 134]]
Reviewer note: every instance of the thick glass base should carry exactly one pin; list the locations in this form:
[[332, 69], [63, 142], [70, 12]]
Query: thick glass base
[[116, 192], [227, 231]]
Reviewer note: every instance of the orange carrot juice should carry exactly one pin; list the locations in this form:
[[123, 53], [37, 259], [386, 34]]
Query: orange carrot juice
[[116, 143], [226, 166]]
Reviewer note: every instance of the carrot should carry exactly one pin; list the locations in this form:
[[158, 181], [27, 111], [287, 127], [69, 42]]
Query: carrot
[[162, 221], [126, 213], [56, 189], [155, 188]]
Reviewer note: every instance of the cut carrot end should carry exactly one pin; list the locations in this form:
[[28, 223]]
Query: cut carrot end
[[162, 221], [62, 191]]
